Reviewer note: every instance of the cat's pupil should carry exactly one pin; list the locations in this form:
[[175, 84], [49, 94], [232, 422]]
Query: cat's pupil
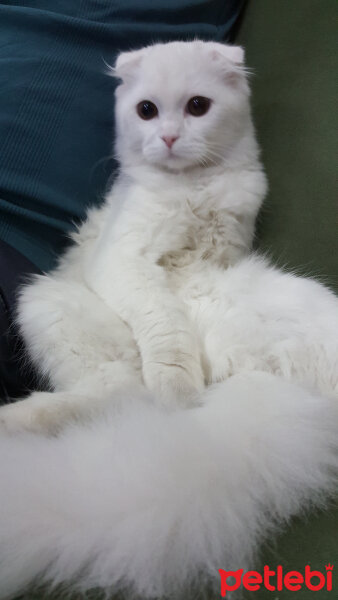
[[146, 109], [198, 106]]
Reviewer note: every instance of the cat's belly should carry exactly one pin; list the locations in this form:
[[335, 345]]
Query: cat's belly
[[251, 316]]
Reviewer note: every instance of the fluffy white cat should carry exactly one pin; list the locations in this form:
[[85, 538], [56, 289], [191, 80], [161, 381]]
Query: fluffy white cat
[[167, 346]]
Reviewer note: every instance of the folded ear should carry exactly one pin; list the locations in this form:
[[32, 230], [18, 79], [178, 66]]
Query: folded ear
[[230, 60], [127, 63], [233, 54]]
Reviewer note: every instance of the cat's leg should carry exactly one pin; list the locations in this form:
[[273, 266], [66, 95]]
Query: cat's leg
[[48, 412], [305, 357], [171, 361], [259, 318], [85, 350]]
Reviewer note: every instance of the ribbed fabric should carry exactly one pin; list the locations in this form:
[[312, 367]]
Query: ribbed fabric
[[56, 103]]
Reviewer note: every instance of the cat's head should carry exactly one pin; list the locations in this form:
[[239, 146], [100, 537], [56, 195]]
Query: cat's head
[[180, 104]]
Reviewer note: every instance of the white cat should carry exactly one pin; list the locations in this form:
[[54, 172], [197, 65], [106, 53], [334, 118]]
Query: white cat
[[159, 292]]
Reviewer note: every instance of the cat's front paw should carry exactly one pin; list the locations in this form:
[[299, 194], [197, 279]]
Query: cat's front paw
[[174, 385]]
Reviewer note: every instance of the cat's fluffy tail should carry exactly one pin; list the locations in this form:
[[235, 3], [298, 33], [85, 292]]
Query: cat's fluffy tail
[[151, 502]]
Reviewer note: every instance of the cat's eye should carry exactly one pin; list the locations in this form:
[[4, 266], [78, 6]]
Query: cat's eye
[[146, 110], [198, 106]]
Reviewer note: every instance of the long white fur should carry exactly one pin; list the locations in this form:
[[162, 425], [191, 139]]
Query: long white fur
[[159, 291], [155, 503]]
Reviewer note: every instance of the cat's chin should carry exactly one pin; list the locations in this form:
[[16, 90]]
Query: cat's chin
[[172, 163], [175, 164]]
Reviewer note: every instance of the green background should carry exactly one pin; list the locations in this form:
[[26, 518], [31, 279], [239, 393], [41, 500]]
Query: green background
[[291, 46]]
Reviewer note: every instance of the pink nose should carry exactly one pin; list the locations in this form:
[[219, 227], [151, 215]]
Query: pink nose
[[169, 140]]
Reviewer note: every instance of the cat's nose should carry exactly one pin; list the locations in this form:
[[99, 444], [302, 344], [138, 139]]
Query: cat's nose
[[169, 140]]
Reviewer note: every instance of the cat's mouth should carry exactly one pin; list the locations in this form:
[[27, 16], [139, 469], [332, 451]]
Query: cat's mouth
[[173, 155], [172, 159]]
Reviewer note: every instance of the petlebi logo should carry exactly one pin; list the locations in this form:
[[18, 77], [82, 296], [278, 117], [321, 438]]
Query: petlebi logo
[[276, 580]]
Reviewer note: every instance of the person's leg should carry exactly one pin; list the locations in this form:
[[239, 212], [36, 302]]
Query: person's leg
[[17, 377]]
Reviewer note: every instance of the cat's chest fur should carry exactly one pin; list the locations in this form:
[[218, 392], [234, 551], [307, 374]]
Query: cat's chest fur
[[182, 224], [194, 221], [204, 234]]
